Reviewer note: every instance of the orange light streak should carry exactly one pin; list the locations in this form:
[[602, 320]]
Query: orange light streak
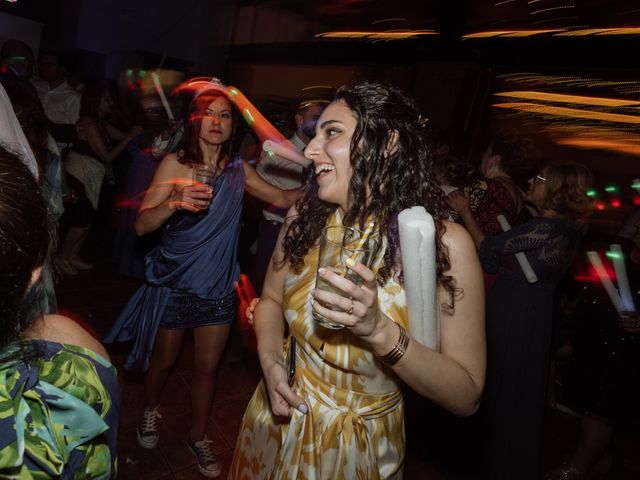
[[569, 112], [563, 98]]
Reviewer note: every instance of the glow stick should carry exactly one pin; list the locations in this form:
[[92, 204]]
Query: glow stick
[[520, 256], [260, 125], [286, 150], [418, 251], [594, 258], [163, 98], [623, 279]]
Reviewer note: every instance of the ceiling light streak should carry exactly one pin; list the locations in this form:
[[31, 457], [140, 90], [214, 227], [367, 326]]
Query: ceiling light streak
[[599, 145], [564, 98], [509, 33], [570, 112], [389, 20], [550, 9], [392, 35]]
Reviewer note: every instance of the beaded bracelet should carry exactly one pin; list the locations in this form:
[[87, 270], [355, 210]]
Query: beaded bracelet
[[398, 350]]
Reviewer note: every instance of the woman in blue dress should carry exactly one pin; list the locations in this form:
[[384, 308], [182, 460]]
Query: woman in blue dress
[[190, 277], [519, 314], [59, 395]]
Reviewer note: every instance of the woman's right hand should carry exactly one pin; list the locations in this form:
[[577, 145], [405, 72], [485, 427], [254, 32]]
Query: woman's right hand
[[282, 397], [193, 198]]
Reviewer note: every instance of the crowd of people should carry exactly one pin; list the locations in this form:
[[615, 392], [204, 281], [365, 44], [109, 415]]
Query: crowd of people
[[330, 404]]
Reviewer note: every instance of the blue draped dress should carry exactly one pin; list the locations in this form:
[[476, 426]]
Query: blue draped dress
[[190, 277]]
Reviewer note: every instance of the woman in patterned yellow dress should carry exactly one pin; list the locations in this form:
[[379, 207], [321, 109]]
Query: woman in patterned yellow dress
[[342, 418]]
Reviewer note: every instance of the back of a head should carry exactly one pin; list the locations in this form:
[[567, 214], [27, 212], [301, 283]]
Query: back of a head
[[566, 188], [24, 241], [519, 157], [15, 48], [19, 56]]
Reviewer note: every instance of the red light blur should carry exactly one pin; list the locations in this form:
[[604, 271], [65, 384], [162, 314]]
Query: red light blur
[[600, 206], [615, 203], [636, 201]]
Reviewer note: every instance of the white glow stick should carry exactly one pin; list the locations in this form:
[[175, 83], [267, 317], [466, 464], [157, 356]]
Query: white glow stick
[[418, 251], [623, 279], [594, 258], [156, 81], [288, 152], [520, 256]]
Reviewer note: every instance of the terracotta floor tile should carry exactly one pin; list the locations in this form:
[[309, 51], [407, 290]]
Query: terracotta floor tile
[[137, 463], [227, 416], [174, 433], [192, 473]]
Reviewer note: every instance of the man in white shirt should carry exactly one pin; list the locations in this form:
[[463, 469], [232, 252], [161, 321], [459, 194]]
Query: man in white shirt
[[287, 176], [61, 102]]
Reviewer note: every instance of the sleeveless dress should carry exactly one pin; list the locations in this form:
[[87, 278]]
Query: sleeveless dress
[[59, 414], [354, 427], [190, 277], [519, 319]]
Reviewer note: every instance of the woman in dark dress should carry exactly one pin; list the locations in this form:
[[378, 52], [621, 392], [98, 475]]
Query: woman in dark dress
[[519, 316]]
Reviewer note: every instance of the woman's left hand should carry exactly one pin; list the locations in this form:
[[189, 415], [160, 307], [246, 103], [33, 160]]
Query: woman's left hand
[[357, 308]]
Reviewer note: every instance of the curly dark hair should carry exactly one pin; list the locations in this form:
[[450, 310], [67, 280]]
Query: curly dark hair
[[385, 180], [24, 242], [191, 151]]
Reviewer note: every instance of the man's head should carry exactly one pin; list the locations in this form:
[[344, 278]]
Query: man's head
[[306, 118], [51, 67], [17, 57]]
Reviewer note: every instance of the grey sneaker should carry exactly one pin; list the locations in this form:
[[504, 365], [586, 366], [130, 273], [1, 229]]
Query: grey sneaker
[[208, 463], [148, 435]]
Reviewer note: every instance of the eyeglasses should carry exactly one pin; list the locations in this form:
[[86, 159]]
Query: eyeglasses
[[538, 179]]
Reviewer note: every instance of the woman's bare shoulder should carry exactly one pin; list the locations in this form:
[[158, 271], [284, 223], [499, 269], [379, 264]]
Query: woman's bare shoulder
[[61, 329]]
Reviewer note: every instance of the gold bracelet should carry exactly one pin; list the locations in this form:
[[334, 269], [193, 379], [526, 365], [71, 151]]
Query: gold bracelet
[[398, 350]]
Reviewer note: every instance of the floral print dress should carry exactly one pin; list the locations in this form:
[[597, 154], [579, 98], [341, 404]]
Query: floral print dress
[[59, 415]]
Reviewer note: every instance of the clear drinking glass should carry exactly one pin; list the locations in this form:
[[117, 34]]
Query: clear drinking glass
[[337, 244], [204, 174]]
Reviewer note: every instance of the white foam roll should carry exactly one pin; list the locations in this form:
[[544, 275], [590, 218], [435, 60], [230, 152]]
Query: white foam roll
[[418, 250], [623, 279], [163, 98], [529, 274], [594, 258], [288, 152]]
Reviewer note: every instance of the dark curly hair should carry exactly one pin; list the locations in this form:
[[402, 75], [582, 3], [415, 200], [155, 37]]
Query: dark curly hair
[[24, 243], [191, 151], [385, 180]]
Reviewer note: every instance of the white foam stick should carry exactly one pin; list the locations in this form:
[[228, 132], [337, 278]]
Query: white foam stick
[[163, 98], [623, 279], [418, 251], [286, 151], [529, 274], [594, 258]]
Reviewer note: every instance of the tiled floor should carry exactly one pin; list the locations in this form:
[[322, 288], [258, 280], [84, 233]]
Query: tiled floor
[[97, 296]]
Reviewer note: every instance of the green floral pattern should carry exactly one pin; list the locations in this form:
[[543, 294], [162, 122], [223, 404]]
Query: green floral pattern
[[59, 415]]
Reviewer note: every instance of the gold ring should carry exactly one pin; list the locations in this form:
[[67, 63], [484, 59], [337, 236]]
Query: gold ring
[[350, 311]]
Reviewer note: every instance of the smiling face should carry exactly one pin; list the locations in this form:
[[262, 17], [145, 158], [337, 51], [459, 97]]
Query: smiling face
[[330, 151], [217, 122]]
